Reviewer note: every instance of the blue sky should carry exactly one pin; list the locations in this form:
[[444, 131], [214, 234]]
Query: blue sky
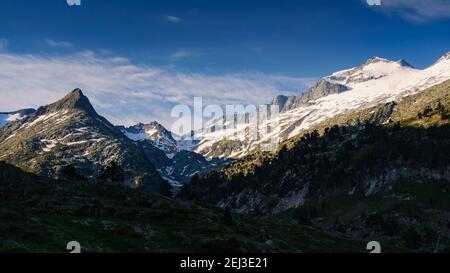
[[136, 59]]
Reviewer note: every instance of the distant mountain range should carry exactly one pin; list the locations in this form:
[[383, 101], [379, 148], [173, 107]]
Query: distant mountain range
[[342, 134], [380, 173], [376, 81], [174, 159], [362, 155], [70, 132]]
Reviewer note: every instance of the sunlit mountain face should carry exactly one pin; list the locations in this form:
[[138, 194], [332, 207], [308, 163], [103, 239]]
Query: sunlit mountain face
[[224, 126]]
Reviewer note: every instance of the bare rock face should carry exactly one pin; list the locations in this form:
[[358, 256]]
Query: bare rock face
[[321, 89], [155, 133], [70, 132], [284, 102]]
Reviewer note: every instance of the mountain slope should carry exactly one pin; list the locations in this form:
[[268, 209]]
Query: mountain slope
[[179, 169], [42, 215], [377, 81], [419, 112], [154, 132], [70, 132], [170, 157], [382, 172], [8, 117]]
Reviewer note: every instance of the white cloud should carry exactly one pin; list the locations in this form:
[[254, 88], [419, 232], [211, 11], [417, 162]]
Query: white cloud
[[173, 19], [418, 10], [63, 44], [181, 54], [127, 93]]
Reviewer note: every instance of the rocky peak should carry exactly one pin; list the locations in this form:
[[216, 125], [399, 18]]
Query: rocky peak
[[322, 89], [444, 58], [157, 126], [74, 100], [404, 63], [376, 59], [159, 132], [280, 101]]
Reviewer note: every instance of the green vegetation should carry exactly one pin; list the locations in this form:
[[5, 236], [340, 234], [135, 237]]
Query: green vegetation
[[40, 215], [377, 174], [113, 172]]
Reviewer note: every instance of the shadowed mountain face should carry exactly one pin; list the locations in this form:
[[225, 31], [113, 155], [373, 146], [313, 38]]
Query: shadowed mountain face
[[42, 215], [155, 133], [70, 132], [75, 100], [381, 173], [375, 82], [321, 89], [341, 81], [354, 134], [172, 158]]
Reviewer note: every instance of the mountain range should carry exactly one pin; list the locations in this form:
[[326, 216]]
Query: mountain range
[[380, 173], [376, 81], [69, 132], [362, 155]]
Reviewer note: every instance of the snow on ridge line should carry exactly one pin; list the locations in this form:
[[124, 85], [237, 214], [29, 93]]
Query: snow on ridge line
[[6, 118], [373, 83]]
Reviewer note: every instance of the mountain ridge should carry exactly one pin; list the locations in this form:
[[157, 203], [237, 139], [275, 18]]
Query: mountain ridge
[[154, 132], [8, 117], [70, 132], [378, 173], [376, 81]]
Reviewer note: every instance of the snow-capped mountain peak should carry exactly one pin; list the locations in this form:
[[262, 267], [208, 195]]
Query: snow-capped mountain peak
[[444, 59], [376, 59], [404, 63], [158, 132], [154, 132], [376, 81], [70, 132], [375, 68], [9, 117]]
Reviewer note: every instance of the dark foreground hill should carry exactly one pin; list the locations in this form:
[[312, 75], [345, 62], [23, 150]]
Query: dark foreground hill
[[41, 215]]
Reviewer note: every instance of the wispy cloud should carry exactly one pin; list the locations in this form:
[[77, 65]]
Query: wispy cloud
[[181, 54], [173, 19], [62, 44], [127, 93], [191, 53], [418, 10]]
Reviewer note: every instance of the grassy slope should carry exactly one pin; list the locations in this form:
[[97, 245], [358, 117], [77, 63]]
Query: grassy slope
[[418, 202], [42, 216]]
